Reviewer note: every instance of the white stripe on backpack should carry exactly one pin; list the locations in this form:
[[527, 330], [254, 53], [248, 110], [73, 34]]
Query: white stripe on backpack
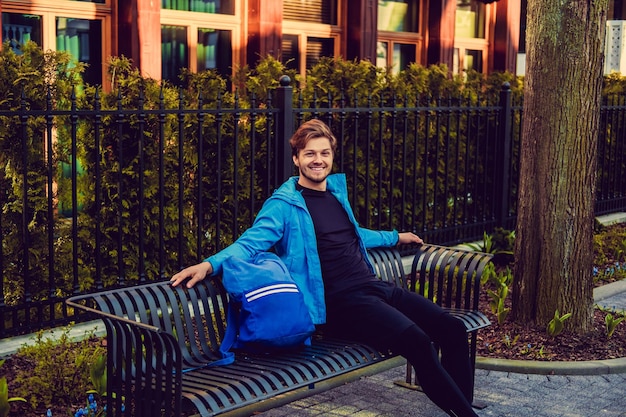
[[270, 289]]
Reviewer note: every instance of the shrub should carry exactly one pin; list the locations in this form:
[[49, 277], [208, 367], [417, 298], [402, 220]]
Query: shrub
[[609, 247], [35, 80], [57, 370]]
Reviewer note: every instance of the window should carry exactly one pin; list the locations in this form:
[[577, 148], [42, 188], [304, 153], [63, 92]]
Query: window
[[18, 29], [470, 36], [202, 6], [74, 26], [290, 52], [174, 51], [214, 50], [470, 19], [314, 11], [398, 16], [310, 32], [400, 40], [401, 56], [314, 49], [471, 60], [82, 38], [198, 35]]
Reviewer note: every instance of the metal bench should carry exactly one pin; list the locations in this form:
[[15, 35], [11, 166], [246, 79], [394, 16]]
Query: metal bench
[[160, 339]]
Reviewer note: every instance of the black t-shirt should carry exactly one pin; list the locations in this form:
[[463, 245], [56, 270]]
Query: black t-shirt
[[343, 265]]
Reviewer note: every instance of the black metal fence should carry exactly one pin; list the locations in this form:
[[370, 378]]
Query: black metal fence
[[114, 195]]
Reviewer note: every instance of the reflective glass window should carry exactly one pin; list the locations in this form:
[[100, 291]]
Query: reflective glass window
[[382, 54], [174, 51], [315, 11], [317, 48], [82, 38], [398, 15], [18, 29], [403, 55], [470, 19], [214, 50], [473, 60], [290, 52], [202, 6]]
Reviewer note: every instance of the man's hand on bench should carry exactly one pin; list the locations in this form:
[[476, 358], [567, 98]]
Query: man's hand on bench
[[195, 273], [404, 238]]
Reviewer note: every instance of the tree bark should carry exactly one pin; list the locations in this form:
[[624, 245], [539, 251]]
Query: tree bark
[[562, 97]]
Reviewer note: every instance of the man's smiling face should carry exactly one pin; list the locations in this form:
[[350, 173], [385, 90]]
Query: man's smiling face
[[315, 161]]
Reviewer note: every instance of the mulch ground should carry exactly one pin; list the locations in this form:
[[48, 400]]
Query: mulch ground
[[514, 341]]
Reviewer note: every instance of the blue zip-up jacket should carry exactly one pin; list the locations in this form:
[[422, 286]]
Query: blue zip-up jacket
[[284, 223]]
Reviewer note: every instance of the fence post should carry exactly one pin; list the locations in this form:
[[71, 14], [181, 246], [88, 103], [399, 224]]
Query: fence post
[[503, 156], [284, 130]]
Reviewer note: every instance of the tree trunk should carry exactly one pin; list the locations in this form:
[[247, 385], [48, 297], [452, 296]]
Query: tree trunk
[[562, 96]]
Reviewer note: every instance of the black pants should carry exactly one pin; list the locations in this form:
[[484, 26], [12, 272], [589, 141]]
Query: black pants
[[388, 317]]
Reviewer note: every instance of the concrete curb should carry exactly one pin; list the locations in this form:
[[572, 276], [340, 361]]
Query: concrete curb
[[609, 290], [77, 332], [598, 367]]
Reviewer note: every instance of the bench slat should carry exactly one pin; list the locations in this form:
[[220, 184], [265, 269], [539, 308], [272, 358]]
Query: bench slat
[[246, 381], [473, 320]]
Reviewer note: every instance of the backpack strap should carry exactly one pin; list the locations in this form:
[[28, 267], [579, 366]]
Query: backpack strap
[[230, 336], [232, 320]]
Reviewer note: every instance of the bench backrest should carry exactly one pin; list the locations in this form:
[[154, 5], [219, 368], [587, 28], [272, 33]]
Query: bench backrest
[[449, 277], [181, 311], [199, 311], [388, 266]]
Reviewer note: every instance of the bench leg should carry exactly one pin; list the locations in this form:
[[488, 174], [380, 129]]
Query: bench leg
[[479, 405], [408, 380], [411, 382]]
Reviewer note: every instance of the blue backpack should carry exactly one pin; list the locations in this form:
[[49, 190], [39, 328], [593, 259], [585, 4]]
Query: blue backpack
[[266, 311]]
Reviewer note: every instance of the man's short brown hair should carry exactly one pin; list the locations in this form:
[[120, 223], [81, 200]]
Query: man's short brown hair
[[308, 130]]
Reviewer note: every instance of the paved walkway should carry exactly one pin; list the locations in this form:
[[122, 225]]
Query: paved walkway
[[507, 388], [505, 394]]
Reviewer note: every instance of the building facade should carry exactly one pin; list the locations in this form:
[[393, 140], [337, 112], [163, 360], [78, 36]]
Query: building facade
[[163, 36]]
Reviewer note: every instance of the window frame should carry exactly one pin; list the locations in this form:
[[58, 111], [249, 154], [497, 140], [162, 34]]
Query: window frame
[[393, 38], [305, 30], [464, 45], [193, 21], [406, 38], [50, 10], [484, 45]]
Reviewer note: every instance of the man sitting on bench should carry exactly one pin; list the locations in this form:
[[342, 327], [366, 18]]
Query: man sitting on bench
[[309, 223]]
